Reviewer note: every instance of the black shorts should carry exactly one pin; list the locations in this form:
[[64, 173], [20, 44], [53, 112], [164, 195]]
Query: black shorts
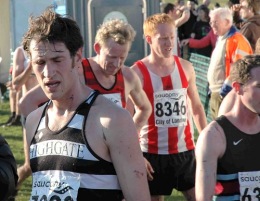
[[174, 171]]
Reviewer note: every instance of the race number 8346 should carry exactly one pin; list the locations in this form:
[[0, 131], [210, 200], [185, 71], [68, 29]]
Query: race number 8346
[[170, 108]]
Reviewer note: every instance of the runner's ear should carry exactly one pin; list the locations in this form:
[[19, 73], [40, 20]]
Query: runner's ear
[[78, 56], [148, 39], [97, 48], [236, 86]]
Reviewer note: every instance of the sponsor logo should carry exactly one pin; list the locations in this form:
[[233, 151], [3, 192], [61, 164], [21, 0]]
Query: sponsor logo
[[237, 142]]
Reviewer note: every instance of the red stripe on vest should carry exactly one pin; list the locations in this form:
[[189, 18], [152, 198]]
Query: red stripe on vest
[[172, 131], [185, 84], [167, 83], [147, 86], [182, 74], [92, 82]]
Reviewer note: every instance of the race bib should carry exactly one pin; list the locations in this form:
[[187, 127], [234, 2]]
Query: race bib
[[249, 183], [170, 108], [55, 188], [115, 97]]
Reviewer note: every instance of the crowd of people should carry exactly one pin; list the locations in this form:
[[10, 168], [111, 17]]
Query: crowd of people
[[96, 129]]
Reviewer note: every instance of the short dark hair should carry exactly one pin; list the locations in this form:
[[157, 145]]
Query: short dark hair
[[205, 9], [169, 7], [53, 27], [234, 1], [217, 5], [241, 69]]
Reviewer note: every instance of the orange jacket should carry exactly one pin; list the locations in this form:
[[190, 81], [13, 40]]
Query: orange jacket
[[237, 46], [229, 48]]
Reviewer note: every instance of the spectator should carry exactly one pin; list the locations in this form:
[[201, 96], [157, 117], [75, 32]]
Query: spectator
[[180, 16], [231, 46], [229, 100], [250, 13], [209, 39], [201, 28], [236, 17], [184, 31], [94, 160], [227, 148]]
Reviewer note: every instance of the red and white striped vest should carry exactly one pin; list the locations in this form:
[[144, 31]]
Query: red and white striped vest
[[166, 131]]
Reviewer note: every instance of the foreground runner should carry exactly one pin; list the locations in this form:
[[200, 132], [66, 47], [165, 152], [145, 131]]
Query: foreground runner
[[78, 151], [104, 72], [228, 148]]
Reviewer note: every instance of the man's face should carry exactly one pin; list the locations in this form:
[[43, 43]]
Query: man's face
[[112, 56], [191, 5], [181, 3], [219, 26], [174, 14], [54, 68], [163, 41], [201, 14], [244, 11], [251, 92]]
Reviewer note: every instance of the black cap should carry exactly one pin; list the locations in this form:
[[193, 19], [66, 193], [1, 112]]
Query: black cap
[[234, 1]]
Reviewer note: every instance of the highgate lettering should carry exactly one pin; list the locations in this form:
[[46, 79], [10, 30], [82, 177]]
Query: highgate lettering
[[57, 147]]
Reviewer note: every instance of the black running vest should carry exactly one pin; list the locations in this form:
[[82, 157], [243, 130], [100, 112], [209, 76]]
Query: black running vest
[[241, 155], [67, 152]]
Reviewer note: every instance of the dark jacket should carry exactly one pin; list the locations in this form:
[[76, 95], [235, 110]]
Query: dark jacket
[[8, 171], [251, 30]]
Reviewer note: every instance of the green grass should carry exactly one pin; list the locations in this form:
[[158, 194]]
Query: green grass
[[14, 137]]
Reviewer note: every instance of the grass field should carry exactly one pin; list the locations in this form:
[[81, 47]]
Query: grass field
[[13, 136]]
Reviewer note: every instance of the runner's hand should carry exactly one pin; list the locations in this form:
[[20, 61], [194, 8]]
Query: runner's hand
[[149, 169]]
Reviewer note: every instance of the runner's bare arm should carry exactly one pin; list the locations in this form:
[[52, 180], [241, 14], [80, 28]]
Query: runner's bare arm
[[209, 148], [122, 141]]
